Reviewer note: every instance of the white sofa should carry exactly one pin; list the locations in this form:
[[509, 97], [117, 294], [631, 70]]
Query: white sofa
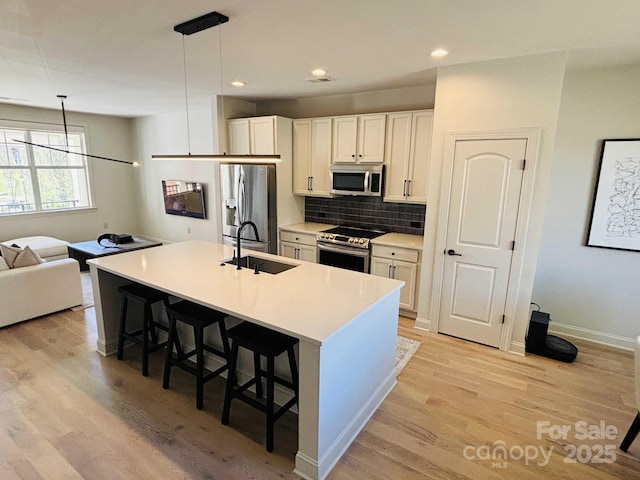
[[30, 292]]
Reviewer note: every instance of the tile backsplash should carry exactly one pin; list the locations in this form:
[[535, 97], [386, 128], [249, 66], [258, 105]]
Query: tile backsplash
[[367, 212]]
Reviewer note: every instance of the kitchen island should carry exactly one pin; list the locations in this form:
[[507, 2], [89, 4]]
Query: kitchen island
[[346, 323]]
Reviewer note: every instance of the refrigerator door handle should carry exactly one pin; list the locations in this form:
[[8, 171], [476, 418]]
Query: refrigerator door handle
[[241, 197]]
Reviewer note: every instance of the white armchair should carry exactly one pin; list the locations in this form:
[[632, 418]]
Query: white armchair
[[634, 429]]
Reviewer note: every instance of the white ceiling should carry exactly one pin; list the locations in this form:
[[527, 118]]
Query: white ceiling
[[122, 57]]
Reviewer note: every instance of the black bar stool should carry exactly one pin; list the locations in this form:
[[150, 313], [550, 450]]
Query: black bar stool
[[199, 318], [147, 296], [270, 344]]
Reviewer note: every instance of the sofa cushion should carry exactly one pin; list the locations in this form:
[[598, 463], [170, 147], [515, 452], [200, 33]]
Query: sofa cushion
[[26, 258], [44, 246], [3, 264], [9, 254], [18, 257]]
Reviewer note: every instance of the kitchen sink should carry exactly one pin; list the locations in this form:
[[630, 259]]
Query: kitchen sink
[[264, 265]]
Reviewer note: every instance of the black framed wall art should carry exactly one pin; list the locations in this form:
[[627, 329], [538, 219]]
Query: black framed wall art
[[615, 216]]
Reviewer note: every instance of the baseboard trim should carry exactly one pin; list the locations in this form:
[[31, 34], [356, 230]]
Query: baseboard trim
[[107, 348], [423, 324], [308, 468], [592, 336], [517, 348]]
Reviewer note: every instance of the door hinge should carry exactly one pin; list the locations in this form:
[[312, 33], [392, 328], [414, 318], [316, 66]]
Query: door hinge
[[503, 318], [513, 245]]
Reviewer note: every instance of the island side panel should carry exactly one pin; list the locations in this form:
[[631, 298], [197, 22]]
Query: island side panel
[[343, 383], [108, 303]]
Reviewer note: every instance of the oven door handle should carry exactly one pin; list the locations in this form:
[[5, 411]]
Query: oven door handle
[[356, 252]]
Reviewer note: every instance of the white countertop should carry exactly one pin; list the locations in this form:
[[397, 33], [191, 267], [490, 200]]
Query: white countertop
[[307, 227], [310, 302], [404, 240]]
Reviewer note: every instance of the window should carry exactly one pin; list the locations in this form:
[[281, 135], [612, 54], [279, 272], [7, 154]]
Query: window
[[35, 179]]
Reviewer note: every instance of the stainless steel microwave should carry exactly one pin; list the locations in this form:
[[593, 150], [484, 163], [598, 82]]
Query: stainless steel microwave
[[356, 179]]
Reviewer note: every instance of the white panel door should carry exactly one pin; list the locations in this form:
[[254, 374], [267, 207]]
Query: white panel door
[[483, 209]]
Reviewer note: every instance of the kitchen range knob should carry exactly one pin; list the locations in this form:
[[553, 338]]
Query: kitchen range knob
[[332, 236], [362, 240]]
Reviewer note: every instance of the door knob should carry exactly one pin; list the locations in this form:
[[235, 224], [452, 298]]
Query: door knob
[[453, 253]]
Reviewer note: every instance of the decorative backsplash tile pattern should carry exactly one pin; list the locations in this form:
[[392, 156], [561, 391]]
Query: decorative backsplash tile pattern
[[367, 212]]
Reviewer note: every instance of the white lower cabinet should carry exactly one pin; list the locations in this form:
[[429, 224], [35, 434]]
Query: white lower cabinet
[[400, 264], [299, 246]]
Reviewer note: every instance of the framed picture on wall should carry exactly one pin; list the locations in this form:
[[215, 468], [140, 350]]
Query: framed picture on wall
[[615, 216]]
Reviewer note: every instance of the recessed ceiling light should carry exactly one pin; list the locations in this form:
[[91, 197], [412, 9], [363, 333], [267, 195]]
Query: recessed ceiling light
[[238, 83], [318, 72], [439, 53]]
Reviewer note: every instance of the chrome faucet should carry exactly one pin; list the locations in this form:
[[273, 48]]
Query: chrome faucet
[[239, 255]]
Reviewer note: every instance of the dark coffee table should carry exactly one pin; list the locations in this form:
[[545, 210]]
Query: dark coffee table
[[83, 251]]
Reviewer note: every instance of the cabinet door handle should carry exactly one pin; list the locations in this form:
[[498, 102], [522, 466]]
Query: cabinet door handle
[[389, 274], [404, 189], [353, 156], [394, 272], [311, 184], [408, 188]]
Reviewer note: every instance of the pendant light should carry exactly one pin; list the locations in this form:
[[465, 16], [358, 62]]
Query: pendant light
[[190, 27], [66, 140]]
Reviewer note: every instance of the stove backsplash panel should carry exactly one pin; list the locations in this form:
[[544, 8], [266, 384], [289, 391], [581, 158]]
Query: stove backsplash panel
[[366, 212]]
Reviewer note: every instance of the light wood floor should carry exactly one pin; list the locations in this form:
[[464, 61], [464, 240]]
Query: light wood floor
[[67, 413]]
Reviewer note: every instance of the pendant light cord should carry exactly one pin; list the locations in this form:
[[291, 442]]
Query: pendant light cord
[[186, 95], [64, 120], [221, 76]]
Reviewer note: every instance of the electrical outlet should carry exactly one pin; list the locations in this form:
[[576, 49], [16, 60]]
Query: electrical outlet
[[189, 230], [105, 225]]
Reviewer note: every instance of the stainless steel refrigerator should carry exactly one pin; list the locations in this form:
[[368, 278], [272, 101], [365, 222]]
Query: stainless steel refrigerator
[[249, 193]]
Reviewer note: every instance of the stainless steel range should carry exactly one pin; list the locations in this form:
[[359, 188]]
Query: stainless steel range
[[346, 247]]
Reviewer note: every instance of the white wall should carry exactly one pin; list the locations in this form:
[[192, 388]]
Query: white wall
[[167, 135], [410, 98], [502, 94], [589, 292], [226, 108], [113, 183]]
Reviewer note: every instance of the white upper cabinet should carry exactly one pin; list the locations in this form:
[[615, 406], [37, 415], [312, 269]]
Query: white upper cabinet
[[408, 149], [252, 136], [238, 137], [270, 135], [262, 134], [359, 139], [311, 156]]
